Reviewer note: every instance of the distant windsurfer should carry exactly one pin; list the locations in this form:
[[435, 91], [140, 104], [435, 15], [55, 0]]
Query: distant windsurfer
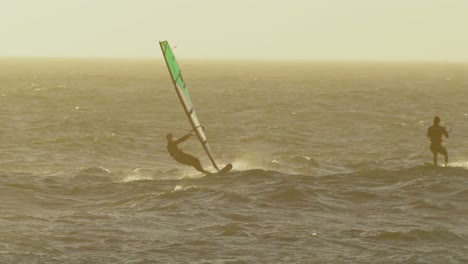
[[180, 156], [435, 133]]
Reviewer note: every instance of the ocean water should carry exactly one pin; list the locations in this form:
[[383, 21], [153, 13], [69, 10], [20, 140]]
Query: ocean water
[[328, 163]]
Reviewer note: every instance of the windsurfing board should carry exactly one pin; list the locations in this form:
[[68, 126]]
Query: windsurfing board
[[223, 171], [428, 164]]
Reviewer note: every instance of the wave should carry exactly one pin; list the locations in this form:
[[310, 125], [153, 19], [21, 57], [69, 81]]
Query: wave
[[179, 191], [415, 234], [365, 177], [413, 172], [101, 186]]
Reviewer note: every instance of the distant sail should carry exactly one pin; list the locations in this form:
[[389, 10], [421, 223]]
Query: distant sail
[[184, 97]]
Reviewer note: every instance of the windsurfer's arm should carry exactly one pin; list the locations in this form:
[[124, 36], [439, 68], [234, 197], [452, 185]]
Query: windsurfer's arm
[[446, 133], [182, 139]]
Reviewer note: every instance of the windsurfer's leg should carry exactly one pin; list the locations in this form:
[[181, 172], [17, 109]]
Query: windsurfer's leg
[[435, 149], [190, 160], [197, 165], [445, 153]]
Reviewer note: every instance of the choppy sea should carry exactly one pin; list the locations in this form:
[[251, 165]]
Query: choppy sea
[[328, 163]]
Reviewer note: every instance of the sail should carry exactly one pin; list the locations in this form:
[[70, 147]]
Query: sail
[[184, 97]]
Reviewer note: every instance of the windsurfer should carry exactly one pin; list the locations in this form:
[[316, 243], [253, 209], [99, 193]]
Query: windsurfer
[[435, 133], [180, 156]]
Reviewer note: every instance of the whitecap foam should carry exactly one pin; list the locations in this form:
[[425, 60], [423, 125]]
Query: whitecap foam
[[135, 175], [459, 164]]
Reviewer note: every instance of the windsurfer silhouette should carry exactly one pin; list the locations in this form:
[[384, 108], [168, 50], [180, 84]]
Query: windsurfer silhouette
[[435, 133], [180, 156]]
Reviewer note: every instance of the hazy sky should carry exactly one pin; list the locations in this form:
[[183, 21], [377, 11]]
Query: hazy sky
[[259, 29]]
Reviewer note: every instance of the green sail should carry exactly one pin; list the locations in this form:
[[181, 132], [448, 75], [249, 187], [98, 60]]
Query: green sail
[[173, 67]]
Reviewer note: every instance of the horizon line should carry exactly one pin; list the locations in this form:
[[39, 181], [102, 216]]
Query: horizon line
[[317, 60]]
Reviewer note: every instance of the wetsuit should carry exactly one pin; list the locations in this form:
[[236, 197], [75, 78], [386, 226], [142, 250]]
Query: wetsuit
[[435, 133], [182, 157]]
